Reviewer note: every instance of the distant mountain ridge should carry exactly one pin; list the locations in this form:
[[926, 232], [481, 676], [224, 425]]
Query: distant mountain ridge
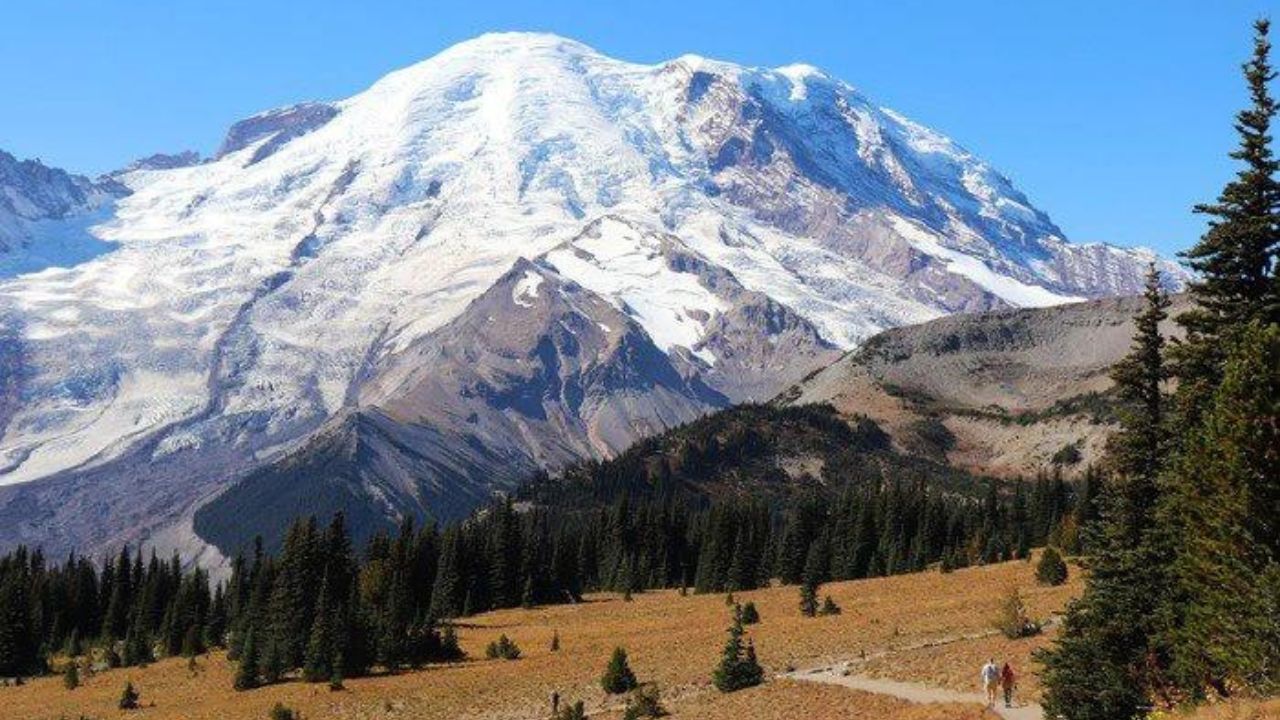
[[1006, 393], [418, 278]]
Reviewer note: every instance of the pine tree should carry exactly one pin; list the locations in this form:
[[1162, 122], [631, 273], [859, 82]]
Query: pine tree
[[247, 674], [808, 599], [618, 677], [320, 645], [128, 698], [738, 667], [1112, 636], [71, 676], [1236, 259], [829, 607], [1051, 570], [1224, 502], [17, 643]]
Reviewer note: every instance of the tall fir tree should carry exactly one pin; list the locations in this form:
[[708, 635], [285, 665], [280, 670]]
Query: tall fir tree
[[1236, 259], [1223, 509], [1107, 661]]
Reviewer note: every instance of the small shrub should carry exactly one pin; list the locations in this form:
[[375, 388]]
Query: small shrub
[[502, 648], [1068, 454], [280, 712], [829, 607], [129, 698], [576, 711], [644, 703], [555, 642], [1051, 570], [1013, 621], [618, 677], [747, 614], [729, 601], [71, 677]]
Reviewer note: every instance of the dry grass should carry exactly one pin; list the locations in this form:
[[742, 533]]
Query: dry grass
[[955, 665], [1239, 710], [672, 640], [787, 700]]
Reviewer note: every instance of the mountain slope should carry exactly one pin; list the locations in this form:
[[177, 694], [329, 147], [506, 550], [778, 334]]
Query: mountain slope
[[45, 214], [248, 301], [999, 393]]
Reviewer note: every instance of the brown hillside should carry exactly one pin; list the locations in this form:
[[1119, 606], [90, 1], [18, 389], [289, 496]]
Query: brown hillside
[[997, 393]]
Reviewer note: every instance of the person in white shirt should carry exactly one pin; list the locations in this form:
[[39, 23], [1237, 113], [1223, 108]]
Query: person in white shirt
[[990, 676]]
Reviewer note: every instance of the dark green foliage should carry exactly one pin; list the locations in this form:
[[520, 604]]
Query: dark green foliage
[[502, 649], [738, 667], [128, 698], [281, 712], [1221, 510], [748, 614], [1068, 454], [1180, 602], [71, 676], [1051, 569], [618, 677], [1118, 621], [247, 673], [1236, 259], [18, 653], [809, 599], [829, 607]]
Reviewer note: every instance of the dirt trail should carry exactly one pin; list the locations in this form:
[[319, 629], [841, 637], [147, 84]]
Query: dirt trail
[[913, 692]]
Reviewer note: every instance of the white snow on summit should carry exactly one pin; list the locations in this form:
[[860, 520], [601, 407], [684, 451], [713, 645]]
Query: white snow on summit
[[239, 303]]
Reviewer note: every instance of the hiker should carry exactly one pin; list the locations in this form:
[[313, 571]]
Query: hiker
[[1008, 681], [990, 680]]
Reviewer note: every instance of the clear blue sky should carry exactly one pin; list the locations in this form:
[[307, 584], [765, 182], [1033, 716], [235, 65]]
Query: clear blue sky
[[1114, 117]]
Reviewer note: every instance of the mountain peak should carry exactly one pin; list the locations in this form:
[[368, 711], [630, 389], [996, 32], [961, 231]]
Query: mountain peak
[[735, 220]]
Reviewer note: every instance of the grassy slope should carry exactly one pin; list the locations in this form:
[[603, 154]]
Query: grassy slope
[[672, 640]]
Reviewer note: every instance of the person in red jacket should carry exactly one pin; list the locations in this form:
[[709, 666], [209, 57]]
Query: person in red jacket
[[1008, 681]]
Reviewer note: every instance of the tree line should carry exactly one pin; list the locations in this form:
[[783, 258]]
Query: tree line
[[320, 609], [1182, 602]]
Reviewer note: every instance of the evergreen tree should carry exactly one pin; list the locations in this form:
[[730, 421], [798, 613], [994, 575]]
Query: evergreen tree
[[17, 642], [128, 698], [618, 677], [1052, 569], [829, 607], [71, 676], [247, 674], [1236, 259], [1224, 503], [738, 667], [1114, 630], [317, 665]]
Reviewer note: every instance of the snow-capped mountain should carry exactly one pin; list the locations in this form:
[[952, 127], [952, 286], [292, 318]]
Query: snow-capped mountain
[[519, 246]]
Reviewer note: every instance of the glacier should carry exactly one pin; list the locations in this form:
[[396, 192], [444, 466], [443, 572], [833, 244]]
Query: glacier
[[208, 316]]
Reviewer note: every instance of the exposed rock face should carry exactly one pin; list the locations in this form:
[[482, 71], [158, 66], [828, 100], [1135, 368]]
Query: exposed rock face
[[41, 211], [274, 128], [162, 161], [743, 222], [998, 393]]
